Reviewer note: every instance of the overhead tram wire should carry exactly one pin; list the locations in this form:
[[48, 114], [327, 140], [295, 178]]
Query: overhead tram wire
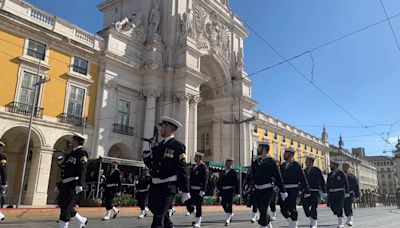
[[272, 66], [390, 25], [312, 83]]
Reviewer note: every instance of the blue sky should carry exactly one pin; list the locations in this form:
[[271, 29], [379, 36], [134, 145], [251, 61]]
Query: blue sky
[[361, 72]]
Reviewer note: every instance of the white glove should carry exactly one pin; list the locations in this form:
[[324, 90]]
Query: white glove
[[146, 149], [307, 195], [201, 193], [324, 195], [4, 189], [185, 196], [118, 194], [147, 152], [78, 189], [237, 196], [284, 195], [56, 190], [346, 195]]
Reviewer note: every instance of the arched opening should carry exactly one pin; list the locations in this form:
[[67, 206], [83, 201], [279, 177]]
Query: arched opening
[[213, 106], [60, 148], [15, 140], [119, 150]]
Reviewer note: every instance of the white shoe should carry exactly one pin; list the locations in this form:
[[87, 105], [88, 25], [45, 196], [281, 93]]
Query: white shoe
[[64, 224], [228, 219], [349, 221], [340, 222], [106, 216], [2, 217], [254, 217], [187, 213], [171, 212], [142, 214], [82, 221], [116, 212], [293, 224], [313, 223], [273, 217], [197, 223]]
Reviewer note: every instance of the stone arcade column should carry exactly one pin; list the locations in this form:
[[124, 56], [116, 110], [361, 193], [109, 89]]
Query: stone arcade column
[[150, 117], [183, 116], [39, 175], [192, 147]]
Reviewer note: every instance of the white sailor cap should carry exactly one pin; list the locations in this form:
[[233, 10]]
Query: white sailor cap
[[2, 144], [230, 159], [83, 137], [170, 120], [309, 157], [345, 163], [199, 154], [290, 150]]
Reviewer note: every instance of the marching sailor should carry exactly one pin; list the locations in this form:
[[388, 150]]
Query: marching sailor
[[142, 193], [113, 188], [354, 191]]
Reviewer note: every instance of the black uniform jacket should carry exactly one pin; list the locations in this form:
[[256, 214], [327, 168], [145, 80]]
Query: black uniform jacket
[[315, 179], [353, 185], [114, 180], [3, 169], [229, 180], [337, 180], [143, 184], [266, 172], [292, 174], [74, 166], [169, 159], [199, 177]]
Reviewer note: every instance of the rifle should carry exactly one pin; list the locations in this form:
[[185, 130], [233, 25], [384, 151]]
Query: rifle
[[153, 140]]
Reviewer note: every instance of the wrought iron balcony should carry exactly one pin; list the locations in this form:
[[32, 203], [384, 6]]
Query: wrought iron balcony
[[123, 129], [35, 54], [25, 109], [71, 119], [79, 69]]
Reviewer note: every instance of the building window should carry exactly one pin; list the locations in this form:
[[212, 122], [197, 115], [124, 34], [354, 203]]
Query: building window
[[255, 129], [266, 133], [123, 113], [275, 151], [299, 145], [291, 142], [388, 169], [27, 91], [390, 184], [381, 163], [305, 147], [283, 138], [36, 50], [383, 176], [80, 66], [383, 183], [205, 140], [75, 101], [275, 136], [389, 175]]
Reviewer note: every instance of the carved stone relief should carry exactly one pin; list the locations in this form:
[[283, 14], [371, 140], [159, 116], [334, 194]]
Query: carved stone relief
[[132, 26]]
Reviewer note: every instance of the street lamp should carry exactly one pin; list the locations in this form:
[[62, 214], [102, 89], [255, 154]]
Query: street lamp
[[237, 123], [33, 110]]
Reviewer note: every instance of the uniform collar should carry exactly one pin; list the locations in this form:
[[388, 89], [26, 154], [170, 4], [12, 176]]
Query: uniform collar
[[78, 147], [168, 138]]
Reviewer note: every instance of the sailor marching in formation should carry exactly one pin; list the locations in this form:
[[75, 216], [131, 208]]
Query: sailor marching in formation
[[167, 174]]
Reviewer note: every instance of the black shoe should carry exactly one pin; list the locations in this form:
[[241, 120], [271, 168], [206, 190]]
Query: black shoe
[[116, 214]]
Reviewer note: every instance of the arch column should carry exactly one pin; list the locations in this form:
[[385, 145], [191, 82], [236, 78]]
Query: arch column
[[39, 174], [150, 117]]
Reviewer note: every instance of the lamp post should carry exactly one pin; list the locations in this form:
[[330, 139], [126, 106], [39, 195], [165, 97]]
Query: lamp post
[[238, 122], [33, 110]]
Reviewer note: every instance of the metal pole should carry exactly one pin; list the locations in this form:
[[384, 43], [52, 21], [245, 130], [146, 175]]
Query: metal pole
[[98, 178], [21, 187]]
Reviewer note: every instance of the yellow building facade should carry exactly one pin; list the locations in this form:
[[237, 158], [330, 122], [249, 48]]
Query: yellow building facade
[[34, 45], [281, 135]]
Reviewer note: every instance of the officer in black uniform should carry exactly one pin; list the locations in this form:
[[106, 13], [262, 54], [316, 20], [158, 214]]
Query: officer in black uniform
[[3, 177], [265, 174], [337, 188], [292, 175], [169, 172], [198, 186], [113, 187], [255, 215], [142, 193], [228, 186], [354, 191], [73, 170], [316, 182]]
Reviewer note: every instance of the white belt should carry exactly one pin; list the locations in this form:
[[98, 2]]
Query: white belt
[[157, 180], [69, 179], [336, 189], [264, 186], [195, 187], [227, 187], [111, 185], [291, 185], [143, 190], [351, 192], [314, 189]]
